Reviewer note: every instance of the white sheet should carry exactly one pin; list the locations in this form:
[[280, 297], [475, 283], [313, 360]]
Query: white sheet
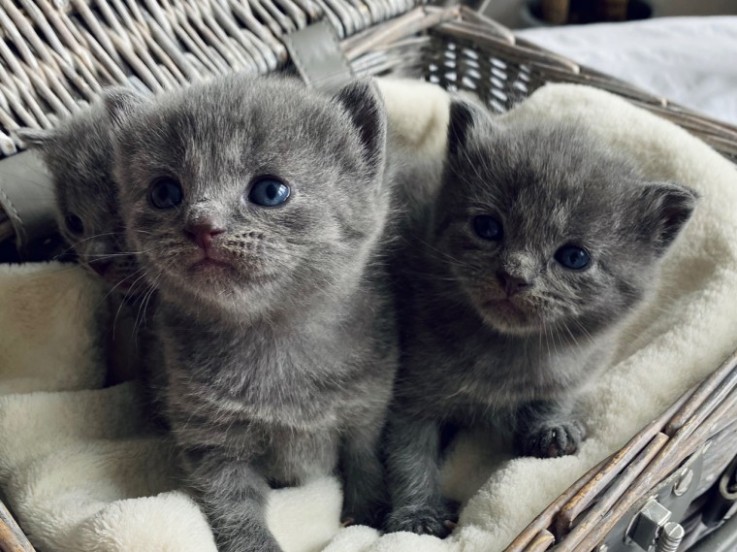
[[690, 60]]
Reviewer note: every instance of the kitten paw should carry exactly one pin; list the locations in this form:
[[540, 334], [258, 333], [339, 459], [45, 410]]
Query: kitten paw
[[437, 521], [371, 517], [551, 440]]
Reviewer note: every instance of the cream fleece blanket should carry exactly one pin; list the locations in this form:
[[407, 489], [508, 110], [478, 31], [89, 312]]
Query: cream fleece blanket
[[83, 473]]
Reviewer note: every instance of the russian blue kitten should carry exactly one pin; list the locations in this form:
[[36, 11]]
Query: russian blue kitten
[[542, 241], [78, 154], [257, 207]]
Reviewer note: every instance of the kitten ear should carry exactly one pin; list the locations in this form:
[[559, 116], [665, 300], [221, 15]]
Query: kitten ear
[[665, 209], [363, 103], [460, 121], [35, 138], [466, 113], [120, 102]]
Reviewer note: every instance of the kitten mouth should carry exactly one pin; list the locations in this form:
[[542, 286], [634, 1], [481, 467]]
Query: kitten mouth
[[210, 267], [507, 314], [208, 264], [208, 258], [506, 305]]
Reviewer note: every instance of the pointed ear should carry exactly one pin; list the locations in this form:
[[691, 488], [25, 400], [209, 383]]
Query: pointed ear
[[120, 103], [35, 138], [665, 209], [460, 121], [466, 113], [363, 103]]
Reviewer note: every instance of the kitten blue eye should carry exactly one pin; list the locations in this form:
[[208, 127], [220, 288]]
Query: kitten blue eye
[[269, 192], [573, 257], [165, 193], [488, 228], [74, 224]]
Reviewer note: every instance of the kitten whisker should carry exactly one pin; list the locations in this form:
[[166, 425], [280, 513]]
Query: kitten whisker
[[143, 306]]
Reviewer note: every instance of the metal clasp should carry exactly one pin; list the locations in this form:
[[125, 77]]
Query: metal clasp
[[651, 527]]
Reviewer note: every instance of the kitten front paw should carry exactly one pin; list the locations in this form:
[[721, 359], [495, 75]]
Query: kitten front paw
[[552, 439], [438, 521], [370, 513]]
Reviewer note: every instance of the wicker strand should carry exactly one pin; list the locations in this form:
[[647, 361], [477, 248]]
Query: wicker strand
[[541, 542], [12, 538], [708, 388], [411, 23], [264, 48], [7, 146], [545, 519]]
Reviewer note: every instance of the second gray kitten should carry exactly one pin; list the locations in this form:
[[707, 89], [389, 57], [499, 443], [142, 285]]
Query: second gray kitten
[[542, 241], [258, 206], [78, 154]]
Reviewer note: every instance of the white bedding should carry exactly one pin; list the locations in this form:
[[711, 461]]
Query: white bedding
[[690, 60]]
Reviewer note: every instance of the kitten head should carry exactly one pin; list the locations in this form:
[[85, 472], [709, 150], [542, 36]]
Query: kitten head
[[250, 194], [78, 154], [545, 229]]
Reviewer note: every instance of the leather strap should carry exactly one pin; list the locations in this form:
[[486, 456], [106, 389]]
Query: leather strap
[[27, 197], [315, 52]]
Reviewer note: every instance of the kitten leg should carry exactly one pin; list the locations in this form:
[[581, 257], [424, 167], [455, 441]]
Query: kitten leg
[[412, 450], [233, 495], [548, 430], [364, 489]]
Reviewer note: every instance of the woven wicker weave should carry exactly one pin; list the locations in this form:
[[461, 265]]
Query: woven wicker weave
[[52, 57], [455, 48]]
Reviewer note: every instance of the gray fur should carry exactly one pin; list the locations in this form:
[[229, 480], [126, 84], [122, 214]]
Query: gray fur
[[474, 357], [78, 154], [280, 364]]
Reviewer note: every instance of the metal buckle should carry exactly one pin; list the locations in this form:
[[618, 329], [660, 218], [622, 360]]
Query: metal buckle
[[655, 522]]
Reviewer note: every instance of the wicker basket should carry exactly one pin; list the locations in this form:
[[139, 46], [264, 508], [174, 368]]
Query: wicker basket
[[685, 459]]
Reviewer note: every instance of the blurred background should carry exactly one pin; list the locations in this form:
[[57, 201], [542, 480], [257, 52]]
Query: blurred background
[[516, 13], [675, 49]]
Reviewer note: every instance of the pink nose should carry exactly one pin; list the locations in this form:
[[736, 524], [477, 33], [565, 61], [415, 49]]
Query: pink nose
[[512, 284], [203, 233]]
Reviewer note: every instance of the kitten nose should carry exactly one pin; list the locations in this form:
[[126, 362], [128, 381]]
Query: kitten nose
[[512, 284], [203, 233]]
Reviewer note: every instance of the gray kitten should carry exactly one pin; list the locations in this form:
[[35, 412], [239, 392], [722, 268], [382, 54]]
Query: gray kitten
[[541, 243], [78, 154], [258, 206]]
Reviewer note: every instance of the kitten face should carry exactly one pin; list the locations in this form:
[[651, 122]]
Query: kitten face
[[545, 230], [78, 153], [244, 193]]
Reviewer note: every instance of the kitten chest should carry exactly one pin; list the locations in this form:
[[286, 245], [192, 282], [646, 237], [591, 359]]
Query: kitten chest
[[249, 377], [483, 373]]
